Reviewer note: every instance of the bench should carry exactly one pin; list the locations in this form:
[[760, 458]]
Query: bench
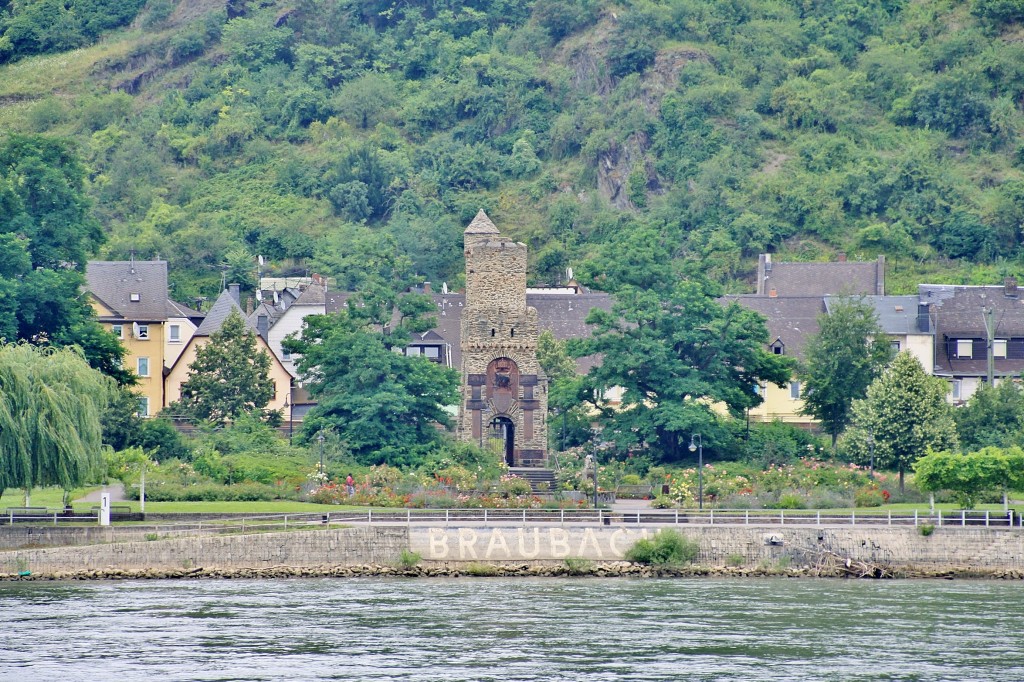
[[634, 492]]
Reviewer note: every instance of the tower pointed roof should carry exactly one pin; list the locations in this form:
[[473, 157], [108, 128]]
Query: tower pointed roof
[[481, 225]]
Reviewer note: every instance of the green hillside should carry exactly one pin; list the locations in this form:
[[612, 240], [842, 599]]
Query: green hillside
[[330, 135]]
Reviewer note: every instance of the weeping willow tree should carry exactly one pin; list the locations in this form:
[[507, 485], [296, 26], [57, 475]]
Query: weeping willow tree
[[50, 406]]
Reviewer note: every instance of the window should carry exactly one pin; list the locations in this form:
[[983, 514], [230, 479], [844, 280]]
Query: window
[[117, 330], [142, 331], [286, 355], [143, 367], [895, 345], [134, 297], [174, 332], [143, 407], [432, 352], [794, 390], [965, 348], [999, 348], [412, 351], [955, 389]]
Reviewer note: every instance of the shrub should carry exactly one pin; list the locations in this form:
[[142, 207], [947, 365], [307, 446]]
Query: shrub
[[409, 559], [513, 485], [868, 497], [790, 501], [926, 529], [735, 560], [481, 570], [663, 502], [666, 548], [578, 565]]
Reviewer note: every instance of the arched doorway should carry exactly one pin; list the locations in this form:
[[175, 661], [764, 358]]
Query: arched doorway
[[501, 439]]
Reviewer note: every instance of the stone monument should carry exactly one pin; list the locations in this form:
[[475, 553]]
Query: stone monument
[[504, 390]]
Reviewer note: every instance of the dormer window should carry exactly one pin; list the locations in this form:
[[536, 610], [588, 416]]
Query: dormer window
[[134, 297], [777, 347], [965, 348]]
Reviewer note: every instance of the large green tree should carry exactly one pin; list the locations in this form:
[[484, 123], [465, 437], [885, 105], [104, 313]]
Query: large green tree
[[849, 351], [993, 416], [904, 415], [677, 353], [50, 407], [229, 377], [384, 405], [47, 232], [970, 475]]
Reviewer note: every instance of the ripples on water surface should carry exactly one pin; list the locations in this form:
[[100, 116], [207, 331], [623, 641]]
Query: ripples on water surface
[[512, 629]]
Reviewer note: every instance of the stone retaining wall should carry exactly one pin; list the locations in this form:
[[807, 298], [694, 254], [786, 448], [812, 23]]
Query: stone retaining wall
[[946, 548]]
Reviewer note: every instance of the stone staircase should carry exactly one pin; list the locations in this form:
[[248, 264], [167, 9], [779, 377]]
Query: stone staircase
[[541, 480]]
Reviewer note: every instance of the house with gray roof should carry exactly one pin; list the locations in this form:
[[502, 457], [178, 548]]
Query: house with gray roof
[[227, 303], [835, 278], [905, 321], [130, 299], [979, 333]]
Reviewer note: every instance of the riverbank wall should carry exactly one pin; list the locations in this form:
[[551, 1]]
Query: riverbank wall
[[340, 550]]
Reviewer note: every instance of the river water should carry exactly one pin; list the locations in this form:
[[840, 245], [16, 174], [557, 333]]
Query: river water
[[512, 629]]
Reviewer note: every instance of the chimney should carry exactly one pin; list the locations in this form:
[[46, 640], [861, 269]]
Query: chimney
[[1010, 287], [923, 321], [262, 325], [236, 292], [841, 257], [426, 288], [772, 293]]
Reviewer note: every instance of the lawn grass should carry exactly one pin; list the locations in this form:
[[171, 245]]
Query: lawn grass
[[52, 497], [271, 507]]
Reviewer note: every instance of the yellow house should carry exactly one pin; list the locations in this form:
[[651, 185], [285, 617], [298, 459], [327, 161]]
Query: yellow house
[[130, 300], [222, 307]]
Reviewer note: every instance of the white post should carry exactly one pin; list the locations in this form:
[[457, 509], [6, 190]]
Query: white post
[[915, 518], [746, 517], [105, 509], [817, 518], [142, 490]]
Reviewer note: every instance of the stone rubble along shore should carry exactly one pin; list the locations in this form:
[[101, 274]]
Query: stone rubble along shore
[[612, 569]]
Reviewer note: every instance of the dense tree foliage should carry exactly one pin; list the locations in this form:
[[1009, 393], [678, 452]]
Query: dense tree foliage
[[230, 376], [386, 407], [50, 407], [970, 475], [904, 415], [291, 130], [848, 353], [676, 352], [46, 235], [994, 416]]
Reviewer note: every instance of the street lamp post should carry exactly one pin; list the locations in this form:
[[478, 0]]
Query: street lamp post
[[871, 453], [320, 439], [289, 406], [698, 447]]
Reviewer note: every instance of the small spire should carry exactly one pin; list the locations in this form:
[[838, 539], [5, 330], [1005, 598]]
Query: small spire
[[481, 225]]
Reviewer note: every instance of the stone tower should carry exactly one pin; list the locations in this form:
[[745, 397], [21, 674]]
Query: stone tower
[[504, 390]]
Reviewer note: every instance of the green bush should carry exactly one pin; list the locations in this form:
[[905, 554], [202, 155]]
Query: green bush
[[663, 502], [735, 560], [481, 570], [409, 559], [790, 501], [207, 492], [926, 529], [666, 548], [578, 565], [868, 497]]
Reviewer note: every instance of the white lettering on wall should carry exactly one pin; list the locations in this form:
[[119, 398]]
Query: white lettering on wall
[[497, 540], [517, 544], [438, 543], [467, 538]]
